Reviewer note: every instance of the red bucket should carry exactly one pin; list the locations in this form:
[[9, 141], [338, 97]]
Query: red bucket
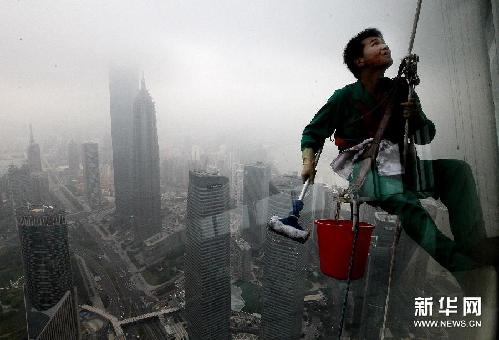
[[335, 247]]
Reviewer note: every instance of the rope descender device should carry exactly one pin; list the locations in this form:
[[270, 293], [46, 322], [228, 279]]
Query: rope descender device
[[409, 70]]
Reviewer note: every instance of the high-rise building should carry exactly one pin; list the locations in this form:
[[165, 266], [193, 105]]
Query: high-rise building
[[207, 254], [73, 157], [145, 166], [33, 153], [283, 271], [237, 184], [255, 203], [91, 174], [47, 271], [123, 87], [240, 259], [283, 288]]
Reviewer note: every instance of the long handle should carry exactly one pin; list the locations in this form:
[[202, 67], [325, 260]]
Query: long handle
[[307, 183]]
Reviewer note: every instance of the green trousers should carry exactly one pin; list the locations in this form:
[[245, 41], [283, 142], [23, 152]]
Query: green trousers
[[452, 182]]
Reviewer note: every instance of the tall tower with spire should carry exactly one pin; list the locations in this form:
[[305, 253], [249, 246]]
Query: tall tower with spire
[[145, 166], [33, 153]]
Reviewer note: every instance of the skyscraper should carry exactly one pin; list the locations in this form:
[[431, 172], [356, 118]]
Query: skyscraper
[[123, 87], [283, 271], [207, 254], [47, 270], [91, 174], [33, 153], [145, 166], [240, 259], [255, 204]]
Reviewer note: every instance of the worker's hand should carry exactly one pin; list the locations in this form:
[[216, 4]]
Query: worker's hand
[[308, 170], [411, 108]]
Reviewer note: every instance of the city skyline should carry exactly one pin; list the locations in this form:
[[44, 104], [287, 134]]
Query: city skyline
[[134, 210]]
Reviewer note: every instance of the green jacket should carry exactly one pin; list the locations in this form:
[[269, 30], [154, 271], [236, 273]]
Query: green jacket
[[353, 115]]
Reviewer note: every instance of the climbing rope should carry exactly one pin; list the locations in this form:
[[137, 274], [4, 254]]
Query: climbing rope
[[414, 26], [396, 239], [355, 221]]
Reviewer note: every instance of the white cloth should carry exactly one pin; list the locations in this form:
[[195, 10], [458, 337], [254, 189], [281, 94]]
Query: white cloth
[[387, 160]]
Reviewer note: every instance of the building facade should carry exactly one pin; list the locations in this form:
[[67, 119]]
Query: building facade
[[63, 324], [207, 254], [145, 174], [283, 271], [123, 87], [283, 288], [240, 259], [47, 269], [91, 173]]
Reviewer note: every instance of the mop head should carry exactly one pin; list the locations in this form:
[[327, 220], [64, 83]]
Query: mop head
[[288, 227]]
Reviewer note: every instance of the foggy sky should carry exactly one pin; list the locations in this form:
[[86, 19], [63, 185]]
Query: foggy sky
[[254, 69]]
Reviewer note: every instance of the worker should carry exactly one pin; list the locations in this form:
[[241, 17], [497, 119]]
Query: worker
[[353, 114]]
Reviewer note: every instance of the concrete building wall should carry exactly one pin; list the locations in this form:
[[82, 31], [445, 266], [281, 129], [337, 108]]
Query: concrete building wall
[[456, 41], [472, 100]]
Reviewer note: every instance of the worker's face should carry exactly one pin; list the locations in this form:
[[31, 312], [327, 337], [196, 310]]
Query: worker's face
[[376, 54]]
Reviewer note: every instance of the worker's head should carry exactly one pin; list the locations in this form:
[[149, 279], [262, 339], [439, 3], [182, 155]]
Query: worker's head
[[367, 49]]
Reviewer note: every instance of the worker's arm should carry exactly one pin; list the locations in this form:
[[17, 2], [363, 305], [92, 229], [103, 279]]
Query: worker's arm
[[320, 127]]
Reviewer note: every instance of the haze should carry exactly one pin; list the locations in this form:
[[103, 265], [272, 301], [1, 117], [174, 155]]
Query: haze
[[257, 69]]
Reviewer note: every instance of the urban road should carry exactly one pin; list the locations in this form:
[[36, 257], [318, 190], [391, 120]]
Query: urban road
[[120, 285]]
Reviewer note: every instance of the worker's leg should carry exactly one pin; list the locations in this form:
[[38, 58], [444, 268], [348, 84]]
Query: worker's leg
[[455, 187], [420, 227]]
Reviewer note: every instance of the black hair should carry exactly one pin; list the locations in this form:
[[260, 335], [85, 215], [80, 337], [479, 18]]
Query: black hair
[[355, 49]]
